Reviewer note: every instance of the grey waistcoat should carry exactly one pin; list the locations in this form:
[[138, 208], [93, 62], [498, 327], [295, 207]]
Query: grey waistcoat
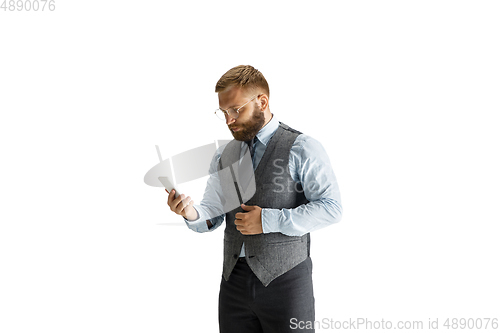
[[273, 254]]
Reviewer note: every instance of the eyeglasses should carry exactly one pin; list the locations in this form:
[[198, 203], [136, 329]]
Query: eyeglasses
[[232, 112]]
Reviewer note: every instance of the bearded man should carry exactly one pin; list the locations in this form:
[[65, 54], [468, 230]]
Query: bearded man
[[266, 283]]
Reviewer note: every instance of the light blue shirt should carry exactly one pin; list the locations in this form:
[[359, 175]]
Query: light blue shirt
[[309, 166]]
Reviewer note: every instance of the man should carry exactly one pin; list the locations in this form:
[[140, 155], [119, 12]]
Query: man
[[267, 272]]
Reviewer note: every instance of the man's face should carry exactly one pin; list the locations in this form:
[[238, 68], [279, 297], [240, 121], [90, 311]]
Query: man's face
[[250, 119]]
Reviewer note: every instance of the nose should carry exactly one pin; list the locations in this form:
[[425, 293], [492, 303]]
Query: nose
[[229, 119]]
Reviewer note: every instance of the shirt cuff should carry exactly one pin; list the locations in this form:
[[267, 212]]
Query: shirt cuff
[[270, 220], [200, 224]]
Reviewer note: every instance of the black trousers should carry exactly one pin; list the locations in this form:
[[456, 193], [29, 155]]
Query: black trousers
[[246, 306]]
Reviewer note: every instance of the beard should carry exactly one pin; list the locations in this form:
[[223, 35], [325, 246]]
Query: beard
[[250, 129]]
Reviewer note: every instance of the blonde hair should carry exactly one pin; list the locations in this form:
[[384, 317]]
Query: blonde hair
[[244, 76]]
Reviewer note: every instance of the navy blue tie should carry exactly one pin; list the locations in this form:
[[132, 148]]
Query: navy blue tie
[[251, 144], [246, 169]]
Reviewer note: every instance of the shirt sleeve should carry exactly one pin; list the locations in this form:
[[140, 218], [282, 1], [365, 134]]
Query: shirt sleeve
[[310, 166], [211, 206]]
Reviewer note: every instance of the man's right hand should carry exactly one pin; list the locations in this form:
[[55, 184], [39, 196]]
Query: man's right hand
[[182, 206]]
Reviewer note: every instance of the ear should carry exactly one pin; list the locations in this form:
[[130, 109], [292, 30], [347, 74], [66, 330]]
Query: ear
[[263, 102]]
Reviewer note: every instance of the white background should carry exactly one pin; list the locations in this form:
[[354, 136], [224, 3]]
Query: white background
[[404, 96]]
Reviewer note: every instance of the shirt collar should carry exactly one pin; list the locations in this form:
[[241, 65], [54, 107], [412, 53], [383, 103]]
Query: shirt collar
[[266, 133]]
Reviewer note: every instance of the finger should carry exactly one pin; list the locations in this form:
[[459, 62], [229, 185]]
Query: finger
[[240, 216], [170, 195], [177, 200], [191, 203], [174, 204], [186, 202], [247, 208], [170, 200], [177, 204]]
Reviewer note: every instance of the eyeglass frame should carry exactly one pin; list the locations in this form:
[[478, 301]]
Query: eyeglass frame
[[226, 113]]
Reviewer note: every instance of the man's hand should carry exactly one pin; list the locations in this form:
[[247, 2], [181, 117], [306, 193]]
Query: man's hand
[[182, 206], [249, 223]]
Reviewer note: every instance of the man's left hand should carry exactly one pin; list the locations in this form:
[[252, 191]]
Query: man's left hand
[[249, 223]]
